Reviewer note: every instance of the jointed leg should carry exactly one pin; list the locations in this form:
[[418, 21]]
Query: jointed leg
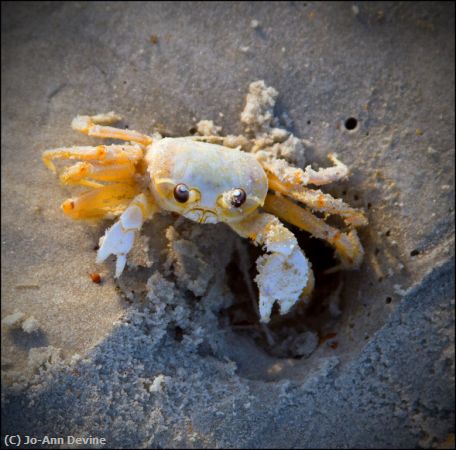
[[348, 246], [230, 141], [319, 201], [212, 139], [103, 154], [295, 177], [95, 126], [305, 294], [327, 175], [105, 201], [118, 240], [80, 172], [284, 272]]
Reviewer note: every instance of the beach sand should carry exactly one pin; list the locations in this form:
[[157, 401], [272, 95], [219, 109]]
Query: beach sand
[[170, 355]]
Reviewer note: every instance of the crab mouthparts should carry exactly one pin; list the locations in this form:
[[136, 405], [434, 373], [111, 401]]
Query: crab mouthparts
[[202, 215]]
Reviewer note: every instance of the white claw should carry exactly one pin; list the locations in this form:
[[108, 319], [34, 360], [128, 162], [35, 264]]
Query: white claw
[[132, 218], [116, 241], [119, 239], [120, 265], [281, 278], [284, 271]]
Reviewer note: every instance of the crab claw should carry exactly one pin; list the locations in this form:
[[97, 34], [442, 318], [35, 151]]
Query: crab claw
[[118, 240], [282, 278], [283, 272]]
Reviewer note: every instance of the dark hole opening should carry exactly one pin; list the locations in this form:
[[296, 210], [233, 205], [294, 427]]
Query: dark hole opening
[[351, 123], [178, 333]]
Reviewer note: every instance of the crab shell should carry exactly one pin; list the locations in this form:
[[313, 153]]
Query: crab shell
[[211, 172]]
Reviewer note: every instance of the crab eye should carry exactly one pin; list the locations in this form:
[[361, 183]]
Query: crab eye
[[238, 197], [181, 193]]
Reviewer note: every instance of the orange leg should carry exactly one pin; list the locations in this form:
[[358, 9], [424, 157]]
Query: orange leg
[[318, 201], [296, 177], [309, 286], [103, 202], [80, 172], [102, 154], [328, 174], [348, 246], [95, 126]]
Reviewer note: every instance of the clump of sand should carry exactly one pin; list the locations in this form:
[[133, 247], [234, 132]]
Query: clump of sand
[[19, 319], [263, 130]]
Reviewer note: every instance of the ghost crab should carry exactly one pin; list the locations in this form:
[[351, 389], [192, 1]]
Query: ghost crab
[[207, 182]]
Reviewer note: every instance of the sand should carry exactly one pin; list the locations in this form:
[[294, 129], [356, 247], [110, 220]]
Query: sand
[[170, 355]]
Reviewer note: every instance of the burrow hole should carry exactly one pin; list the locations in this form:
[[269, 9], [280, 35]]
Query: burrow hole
[[351, 124]]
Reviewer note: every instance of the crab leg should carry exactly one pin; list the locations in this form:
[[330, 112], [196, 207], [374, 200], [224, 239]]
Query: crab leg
[[327, 175], [94, 126], [305, 294], [348, 246], [284, 271], [103, 154], [118, 240], [230, 141], [79, 172], [318, 201], [295, 177], [100, 203]]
